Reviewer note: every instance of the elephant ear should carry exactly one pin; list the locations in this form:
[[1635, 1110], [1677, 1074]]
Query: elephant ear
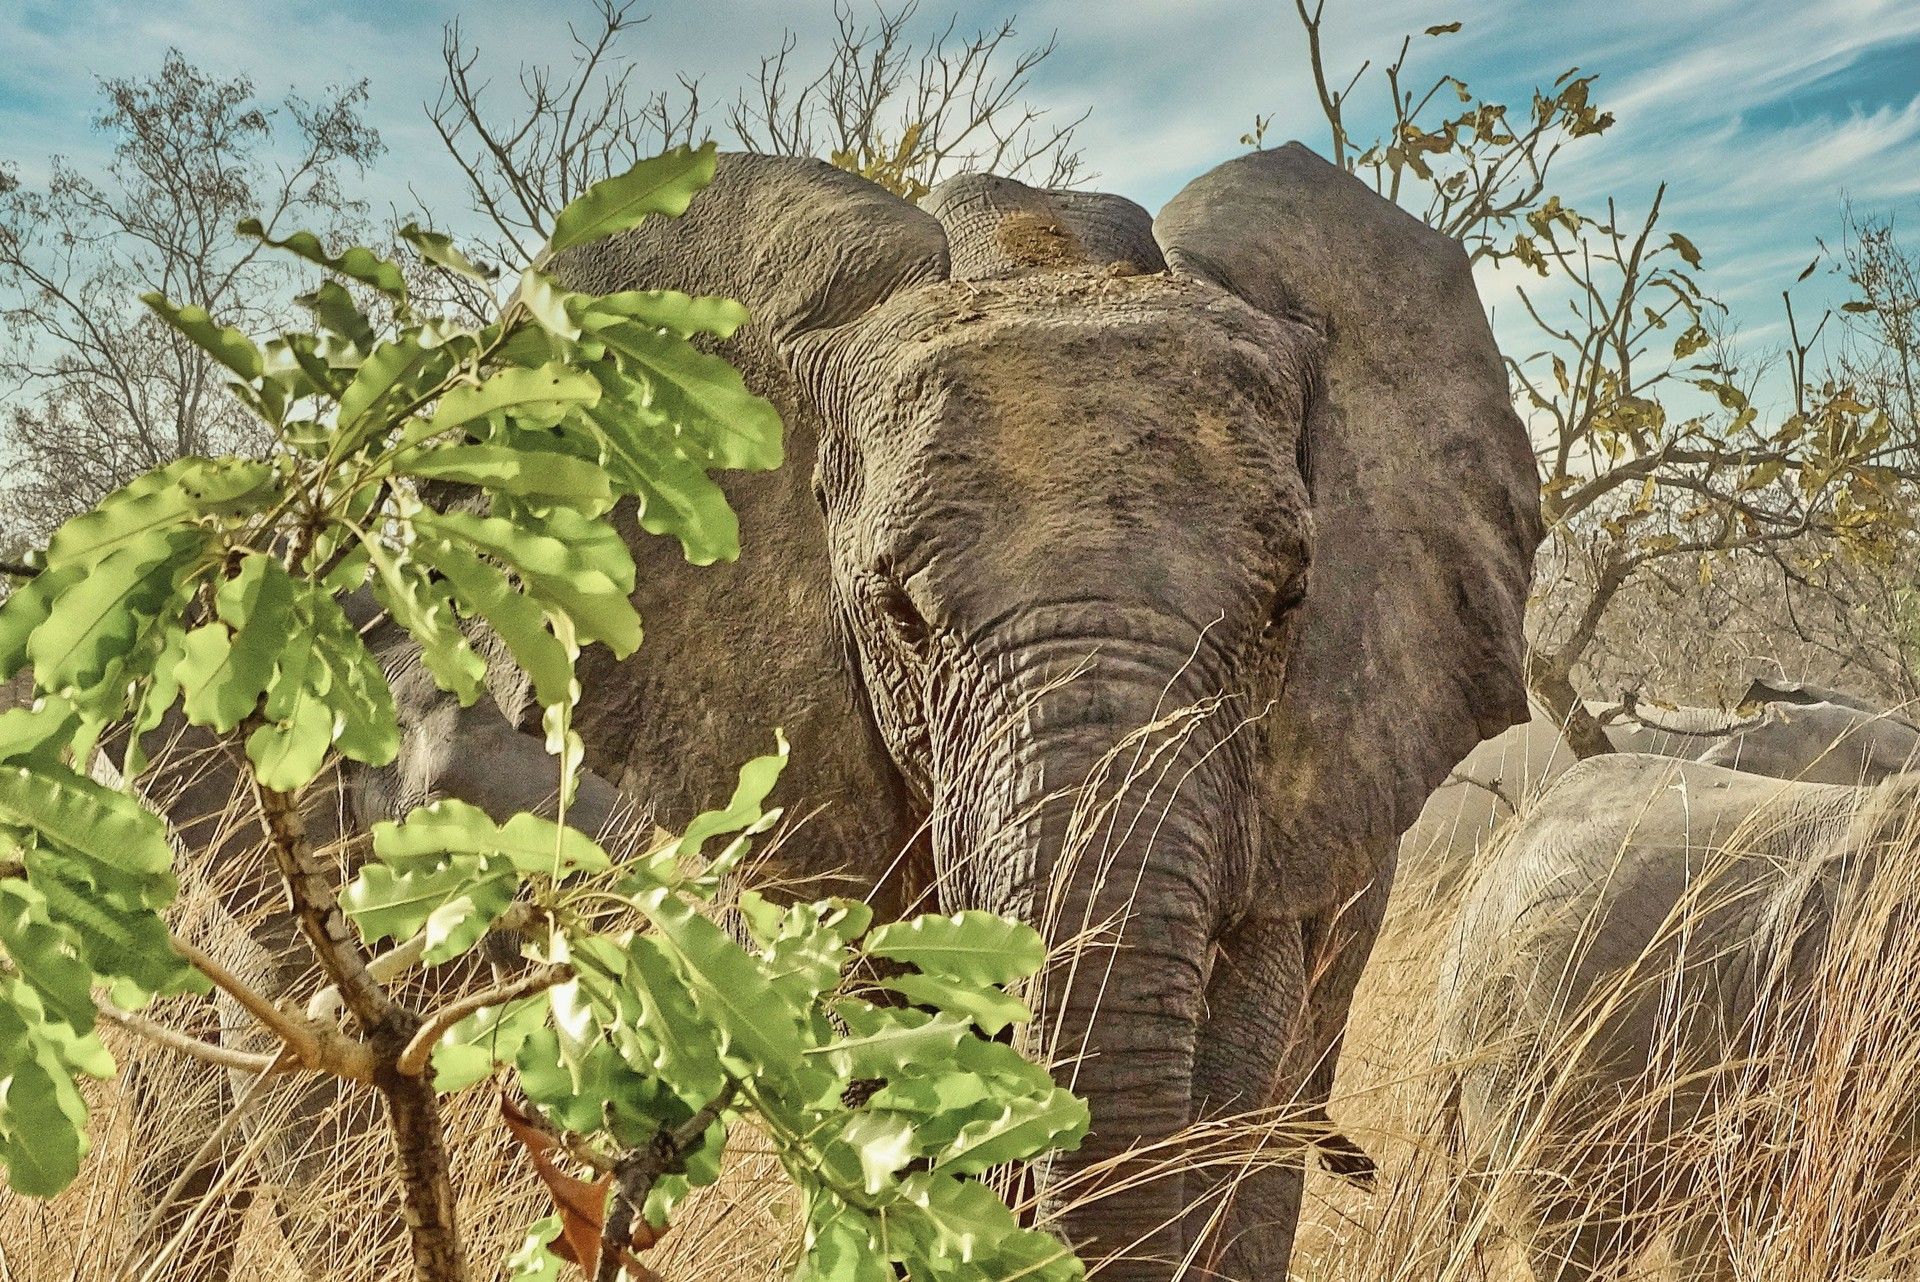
[[806, 247], [1426, 501]]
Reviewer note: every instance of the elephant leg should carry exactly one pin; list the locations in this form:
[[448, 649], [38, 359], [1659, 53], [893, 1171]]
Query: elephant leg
[[1700, 1252], [1247, 1208], [169, 1173], [1336, 948], [1577, 1241]]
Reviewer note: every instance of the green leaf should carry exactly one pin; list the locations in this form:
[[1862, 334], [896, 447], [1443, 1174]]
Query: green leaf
[[743, 811], [662, 1030], [758, 1032], [38, 954], [455, 903], [973, 947], [676, 495], [355, 263], [576, 565], [448, 827], [533, 1262], [22, 613], [884, 1041], [42, 1119], [288, 754], [149, 503], [661, 185], [547, 303], [840, 1248], [336, 311], [388, 368], [512, 388], [127, 945], [525, 472], [228, 346], [668, 309], [226, 666], [483, 590], [423, 609], [701, 395], [366, 727], [989, 1008], [883, 1142], [468, 1051], [439, 249], [97, 619], [1023, 1128], [123, 844]]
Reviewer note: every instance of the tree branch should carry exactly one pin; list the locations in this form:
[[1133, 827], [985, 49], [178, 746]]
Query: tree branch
[[316, 1045], [635, 1175], [414, 1058], [186, 1044]]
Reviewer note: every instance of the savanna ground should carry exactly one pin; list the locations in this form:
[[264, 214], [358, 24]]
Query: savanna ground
[[1790, 1200]]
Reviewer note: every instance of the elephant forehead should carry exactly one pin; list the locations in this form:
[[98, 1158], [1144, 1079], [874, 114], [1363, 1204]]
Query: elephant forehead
[[1083, 360]]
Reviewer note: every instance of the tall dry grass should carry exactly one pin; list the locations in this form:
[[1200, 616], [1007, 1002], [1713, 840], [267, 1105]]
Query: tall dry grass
[[1799, 1169]]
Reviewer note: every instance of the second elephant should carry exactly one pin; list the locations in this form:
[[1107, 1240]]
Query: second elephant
[[1655, 934]]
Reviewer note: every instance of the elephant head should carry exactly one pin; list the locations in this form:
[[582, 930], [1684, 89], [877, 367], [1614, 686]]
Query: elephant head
[[1136, 578]]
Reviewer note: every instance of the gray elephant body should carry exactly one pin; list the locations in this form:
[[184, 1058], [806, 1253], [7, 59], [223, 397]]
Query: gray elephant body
[[1652, 925], [1031, 597], [1798, 732], [1138, 578]]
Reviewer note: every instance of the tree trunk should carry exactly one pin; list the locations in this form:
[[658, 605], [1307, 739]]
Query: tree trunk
[[413, 1111], [1548, 679], [426, 1176]]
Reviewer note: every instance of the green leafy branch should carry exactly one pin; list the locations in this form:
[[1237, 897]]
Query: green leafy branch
[[463, 477]]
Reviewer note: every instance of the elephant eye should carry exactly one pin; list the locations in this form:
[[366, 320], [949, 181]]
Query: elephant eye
[[1285, 602], [902, 616]]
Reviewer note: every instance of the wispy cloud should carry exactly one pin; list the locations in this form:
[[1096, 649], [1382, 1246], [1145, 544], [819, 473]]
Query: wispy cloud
[[1760, 114]]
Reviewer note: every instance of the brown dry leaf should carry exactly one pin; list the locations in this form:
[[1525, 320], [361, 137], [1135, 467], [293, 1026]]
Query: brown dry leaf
[[582, 1204]]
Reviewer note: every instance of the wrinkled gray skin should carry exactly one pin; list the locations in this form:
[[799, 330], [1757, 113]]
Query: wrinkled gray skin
[[1056, 470], [1582, 907], [473, 754], [1798, 732]]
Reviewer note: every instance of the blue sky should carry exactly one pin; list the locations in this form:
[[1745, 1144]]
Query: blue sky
[[1763, 115]]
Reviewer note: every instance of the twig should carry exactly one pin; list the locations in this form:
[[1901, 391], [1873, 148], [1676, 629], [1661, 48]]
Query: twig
[[18, 569], [316, 1045], [186, 1044], [1492, 786], [413, 1059], [636, 1174], [327, 1003]]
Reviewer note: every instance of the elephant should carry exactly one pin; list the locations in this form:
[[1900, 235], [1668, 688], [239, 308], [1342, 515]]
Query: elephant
[[1782, 730], [1136, 577], [1652, 928]]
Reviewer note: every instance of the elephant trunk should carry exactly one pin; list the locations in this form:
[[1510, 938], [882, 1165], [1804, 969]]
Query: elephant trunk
[[1099, 819]]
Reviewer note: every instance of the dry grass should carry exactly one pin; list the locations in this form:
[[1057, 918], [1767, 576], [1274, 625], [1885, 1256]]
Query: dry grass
[[1795, 1170]]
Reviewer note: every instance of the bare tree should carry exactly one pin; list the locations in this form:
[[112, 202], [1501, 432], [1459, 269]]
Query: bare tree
[[101, 390], [908, 113], [899, 106], [567, 131], [1653, 452]]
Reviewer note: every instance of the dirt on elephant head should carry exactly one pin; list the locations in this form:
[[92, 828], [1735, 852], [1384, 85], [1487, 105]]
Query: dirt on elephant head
[[1035, 240]]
